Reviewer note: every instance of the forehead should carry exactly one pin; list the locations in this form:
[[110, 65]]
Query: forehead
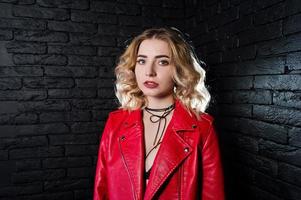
[[154, 47]]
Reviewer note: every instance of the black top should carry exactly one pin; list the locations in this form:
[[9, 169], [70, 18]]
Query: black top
[[147, 173]]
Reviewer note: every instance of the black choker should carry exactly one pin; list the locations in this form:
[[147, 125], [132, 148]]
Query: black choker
[[154, 118]]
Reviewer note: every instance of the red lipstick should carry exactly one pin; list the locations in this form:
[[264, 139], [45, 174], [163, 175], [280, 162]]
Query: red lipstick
[[150, 84]]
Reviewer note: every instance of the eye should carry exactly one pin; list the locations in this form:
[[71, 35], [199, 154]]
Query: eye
[[141, 61], [163, 62]]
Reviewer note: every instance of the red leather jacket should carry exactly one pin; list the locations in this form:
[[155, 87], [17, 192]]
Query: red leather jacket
[[187, 165]]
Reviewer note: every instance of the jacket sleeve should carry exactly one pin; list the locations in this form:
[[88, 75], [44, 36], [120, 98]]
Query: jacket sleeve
[[213, 180], [100, 184]]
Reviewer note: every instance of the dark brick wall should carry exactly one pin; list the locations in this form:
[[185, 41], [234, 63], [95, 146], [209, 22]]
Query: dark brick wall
[[253, 52], [56, 88]]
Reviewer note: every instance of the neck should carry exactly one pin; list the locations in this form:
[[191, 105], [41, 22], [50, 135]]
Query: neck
[[160, 103]]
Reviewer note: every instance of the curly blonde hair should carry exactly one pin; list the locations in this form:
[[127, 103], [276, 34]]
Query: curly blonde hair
[[188, 75]]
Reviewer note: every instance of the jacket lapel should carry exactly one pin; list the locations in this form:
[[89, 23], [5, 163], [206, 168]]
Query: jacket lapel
[[172, 152], [131, 144]]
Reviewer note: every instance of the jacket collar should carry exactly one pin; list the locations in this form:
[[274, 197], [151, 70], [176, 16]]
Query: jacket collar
[[173, 150]]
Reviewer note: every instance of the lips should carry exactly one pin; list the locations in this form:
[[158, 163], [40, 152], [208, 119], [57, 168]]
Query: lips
[[150, 84]]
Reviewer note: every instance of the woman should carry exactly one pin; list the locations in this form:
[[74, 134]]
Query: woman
[[160, 144]]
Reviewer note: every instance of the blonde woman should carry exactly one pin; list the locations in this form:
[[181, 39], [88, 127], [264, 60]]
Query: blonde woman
[[160, 144]]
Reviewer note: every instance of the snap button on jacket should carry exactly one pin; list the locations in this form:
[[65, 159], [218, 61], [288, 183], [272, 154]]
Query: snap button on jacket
[[187, 165]]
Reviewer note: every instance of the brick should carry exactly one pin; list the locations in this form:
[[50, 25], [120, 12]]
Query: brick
[[295, 137], [290, 173], [26, 2], [73, 139], [31, 176], [6, 34], [281, 45], [246, 143], [6, 10], [253, 97], [65, 116], [47, 105], [63, 185], [13, 130], [260, 129], [172, 4], [20, 71], [292, 24], [72, 26], [3, 155], [234, 83], [280, 152], [29, 59], [65, 162], [127, 9], [49, 196], [14, 118], [241, 110], [292, 7], [30, 141], [109, 51], [274, 65], [150, 3], [87, 83], [278, 82], [73, 4], [41, 36], [80, 172], [5, 57], [27, 164], [26, 47], [37, 152], [48, 82], [270, 14], [261, 33], [78, 72], [276, 186], [24, 95], [92, 39], [84, 127], [261, 4], [106, 93], [71, 93], [265, 165], [81, 150], [90, 61], [106, 29], [288, 99], [12, 191], [129, 31], [40, 13], [93, 17], [130, 20], [10, 83], [293, 61], [71, 50], [95, 104], [277, 115], [106, 72], [28, 24], [103, 6]]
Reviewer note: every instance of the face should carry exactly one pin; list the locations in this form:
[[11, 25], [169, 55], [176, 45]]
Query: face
[[154, 69]]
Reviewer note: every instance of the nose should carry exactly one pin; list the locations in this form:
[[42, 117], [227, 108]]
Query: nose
[[150, 69]]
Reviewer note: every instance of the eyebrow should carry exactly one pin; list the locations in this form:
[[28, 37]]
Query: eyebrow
[[158, 56]]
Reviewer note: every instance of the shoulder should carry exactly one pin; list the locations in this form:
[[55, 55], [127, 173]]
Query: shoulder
[[118, 114], [207, 117]]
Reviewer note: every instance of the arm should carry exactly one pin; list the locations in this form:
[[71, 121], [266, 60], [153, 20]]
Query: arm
[[100, 185], [213, 180]]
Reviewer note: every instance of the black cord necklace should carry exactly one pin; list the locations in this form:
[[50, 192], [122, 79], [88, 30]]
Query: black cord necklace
[[154, 118]]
